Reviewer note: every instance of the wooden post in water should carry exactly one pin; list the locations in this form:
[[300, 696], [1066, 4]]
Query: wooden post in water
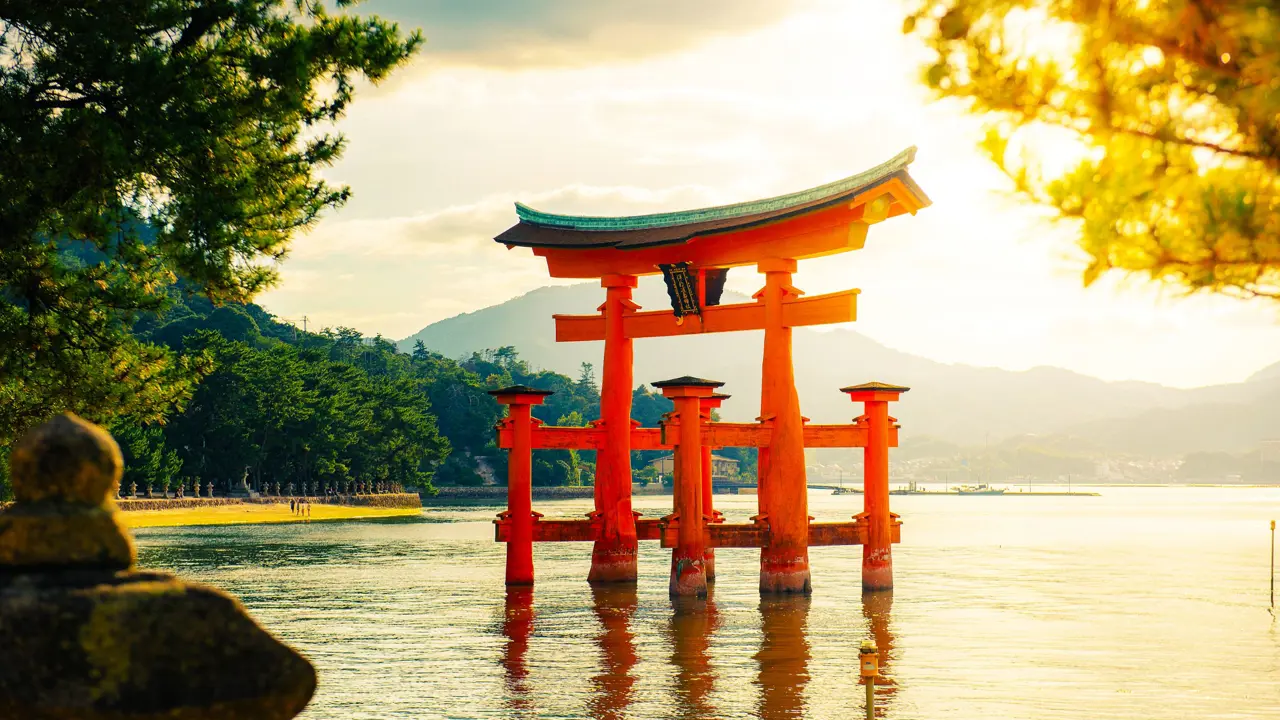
[[613, 557], [877, 555], [709, 513], [688, 576], [783, 492], [519, 514]]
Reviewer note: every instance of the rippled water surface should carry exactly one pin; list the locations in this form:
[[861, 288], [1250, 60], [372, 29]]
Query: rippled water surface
[[1141, 603]]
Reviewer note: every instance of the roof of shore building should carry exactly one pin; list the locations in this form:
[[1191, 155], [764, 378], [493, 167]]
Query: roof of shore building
[[543, 229]]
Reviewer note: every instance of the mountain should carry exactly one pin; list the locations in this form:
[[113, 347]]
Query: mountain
[[957, 403]]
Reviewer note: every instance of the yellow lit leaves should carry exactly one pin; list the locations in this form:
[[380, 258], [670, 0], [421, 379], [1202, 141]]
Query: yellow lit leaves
[[1178, 105]]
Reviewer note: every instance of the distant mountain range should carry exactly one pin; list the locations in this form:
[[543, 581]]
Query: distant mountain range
[[958, 403]]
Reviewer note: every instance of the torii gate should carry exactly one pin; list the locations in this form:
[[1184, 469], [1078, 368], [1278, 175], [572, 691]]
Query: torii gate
[[771, 234]]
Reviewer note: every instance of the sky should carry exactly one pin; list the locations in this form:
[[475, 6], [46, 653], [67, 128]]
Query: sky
[[611, 107]]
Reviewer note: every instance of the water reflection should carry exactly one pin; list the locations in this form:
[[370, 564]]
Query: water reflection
[[693, 622], [877, 609], [517, 626], [614, 606], [783, 656]]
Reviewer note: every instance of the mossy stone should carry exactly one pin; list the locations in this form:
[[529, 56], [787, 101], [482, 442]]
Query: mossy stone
[[66, 460], [83, 635]]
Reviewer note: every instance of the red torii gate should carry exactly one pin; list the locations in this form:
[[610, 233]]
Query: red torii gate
[[771, 234]]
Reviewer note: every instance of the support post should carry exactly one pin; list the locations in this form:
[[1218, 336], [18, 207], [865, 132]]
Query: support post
[[877, 553], [783, 492], [709, 512], [613, 558], [688, 576], [519, 515]]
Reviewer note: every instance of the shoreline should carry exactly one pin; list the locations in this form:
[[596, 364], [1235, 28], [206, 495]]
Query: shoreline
[[195, 512]]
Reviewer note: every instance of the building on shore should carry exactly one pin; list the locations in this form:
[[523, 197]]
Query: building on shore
[[722, 468]]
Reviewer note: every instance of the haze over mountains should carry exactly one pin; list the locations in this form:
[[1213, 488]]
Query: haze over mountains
[[958, 403]]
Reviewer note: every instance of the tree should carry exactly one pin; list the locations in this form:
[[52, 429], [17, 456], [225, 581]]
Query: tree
[[148, 461], [648, 407], [145, 140], [1176, 108], [587, 379]]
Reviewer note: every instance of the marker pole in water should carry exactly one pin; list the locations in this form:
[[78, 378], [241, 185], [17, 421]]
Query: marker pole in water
[[1273, 563], [869, 668]]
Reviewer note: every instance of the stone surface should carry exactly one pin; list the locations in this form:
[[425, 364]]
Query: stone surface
[[83, 635]]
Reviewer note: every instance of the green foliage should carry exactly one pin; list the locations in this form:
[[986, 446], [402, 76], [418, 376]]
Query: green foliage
[[148, 460], [313, 413], [1175, 108], [457, 470], [576, 402], [145, 140], [647, 474], [648, 407]]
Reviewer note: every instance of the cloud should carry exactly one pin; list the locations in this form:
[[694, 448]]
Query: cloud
[[437, 163], [524, 33], [396, 275]]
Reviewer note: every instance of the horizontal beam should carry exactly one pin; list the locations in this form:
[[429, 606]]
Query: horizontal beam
[[720, 535], [574, 530], [545, 437], [648, 528], [796, 312], [719, 435], [752, 535]]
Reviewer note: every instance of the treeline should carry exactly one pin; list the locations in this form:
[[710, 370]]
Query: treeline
[[1256, 467], [276, 406]]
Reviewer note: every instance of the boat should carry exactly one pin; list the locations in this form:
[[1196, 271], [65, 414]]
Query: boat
[[910, 489], [983, 489], [846, 491]]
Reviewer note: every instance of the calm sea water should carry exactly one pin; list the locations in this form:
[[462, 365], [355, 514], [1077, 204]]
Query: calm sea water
[[1142, 603]]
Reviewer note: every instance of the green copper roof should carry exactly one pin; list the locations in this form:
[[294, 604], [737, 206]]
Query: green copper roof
[[725, 212]]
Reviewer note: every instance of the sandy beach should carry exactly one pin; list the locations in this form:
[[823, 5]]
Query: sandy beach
[[256, 513]]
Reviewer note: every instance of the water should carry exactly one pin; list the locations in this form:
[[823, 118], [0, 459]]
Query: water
[[1143, 603]]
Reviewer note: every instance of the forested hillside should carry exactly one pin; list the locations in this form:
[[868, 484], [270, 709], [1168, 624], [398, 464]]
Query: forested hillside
[[274, 404]]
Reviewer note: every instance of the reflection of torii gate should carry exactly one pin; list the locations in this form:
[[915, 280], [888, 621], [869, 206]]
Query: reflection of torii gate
[[771, 234]]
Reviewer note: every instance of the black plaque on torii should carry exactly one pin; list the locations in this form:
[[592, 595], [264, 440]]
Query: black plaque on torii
[[682, 288]]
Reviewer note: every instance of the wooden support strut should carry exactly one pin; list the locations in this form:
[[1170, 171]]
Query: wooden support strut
[[716, 535], [519, 516], [688, 574], [709, 512], [613, 559], [796, 311], [783, 491], [713, 434], [877, 553]]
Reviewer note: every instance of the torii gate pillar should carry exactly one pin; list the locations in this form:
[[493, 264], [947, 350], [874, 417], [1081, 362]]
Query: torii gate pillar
[[688, 572], [709, 512], [783, 498], [877, 553], [613, 558], [519, 515]]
